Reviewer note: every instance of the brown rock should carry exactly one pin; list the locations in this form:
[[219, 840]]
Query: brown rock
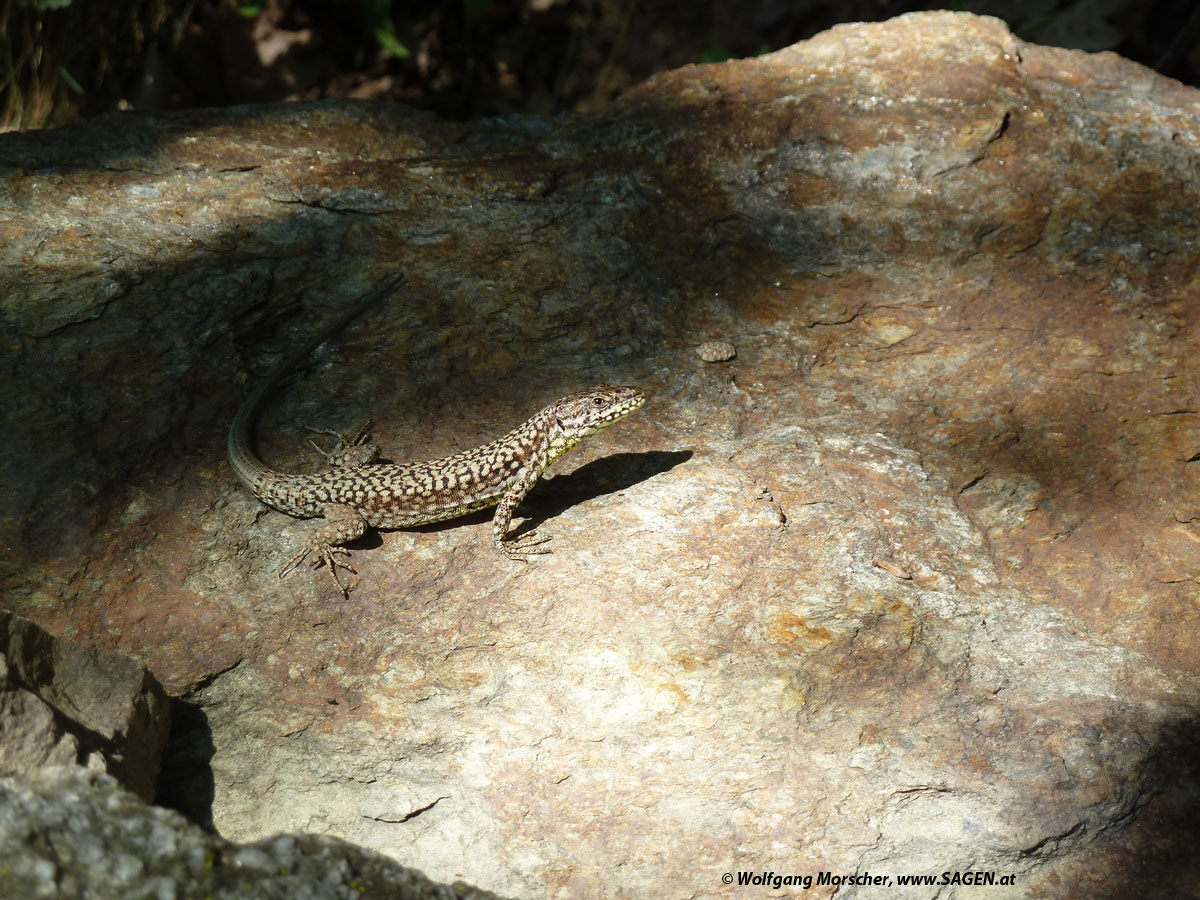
[[962, 270]]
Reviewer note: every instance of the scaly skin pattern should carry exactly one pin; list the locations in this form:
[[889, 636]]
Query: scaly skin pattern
[[359, 493]]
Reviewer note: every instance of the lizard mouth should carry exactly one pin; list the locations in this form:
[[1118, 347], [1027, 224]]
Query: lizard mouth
[[625, 407]]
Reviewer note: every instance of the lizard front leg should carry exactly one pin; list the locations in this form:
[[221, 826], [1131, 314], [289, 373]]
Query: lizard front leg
[[527, 544], [343, 524]]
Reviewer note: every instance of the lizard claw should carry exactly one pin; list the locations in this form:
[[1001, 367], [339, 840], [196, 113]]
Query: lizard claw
[[294, 561]]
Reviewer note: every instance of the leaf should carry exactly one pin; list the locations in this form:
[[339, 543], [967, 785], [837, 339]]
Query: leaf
[[714, 55], [378, 14], [70, 82]]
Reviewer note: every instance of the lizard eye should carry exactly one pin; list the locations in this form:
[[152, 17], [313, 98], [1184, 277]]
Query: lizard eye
[[597, 401]]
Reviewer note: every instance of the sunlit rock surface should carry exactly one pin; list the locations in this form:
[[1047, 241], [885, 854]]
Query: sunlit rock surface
[[907, 586]]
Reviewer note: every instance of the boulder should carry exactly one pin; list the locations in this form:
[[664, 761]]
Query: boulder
[[68, 832], [904, 585], [63, 703]]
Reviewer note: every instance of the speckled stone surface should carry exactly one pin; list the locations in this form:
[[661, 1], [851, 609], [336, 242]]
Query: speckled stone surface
[[960, 273]]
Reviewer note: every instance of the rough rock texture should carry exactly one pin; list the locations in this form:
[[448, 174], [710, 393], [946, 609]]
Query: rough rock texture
[[66, 832], [960, 273], [62, 703]]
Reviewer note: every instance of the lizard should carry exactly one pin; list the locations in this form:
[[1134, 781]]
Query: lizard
[[360, 492]]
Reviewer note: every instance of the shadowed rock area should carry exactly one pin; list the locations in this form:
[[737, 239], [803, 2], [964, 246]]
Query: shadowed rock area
[[66, 832], [62, 704], [907, 586]]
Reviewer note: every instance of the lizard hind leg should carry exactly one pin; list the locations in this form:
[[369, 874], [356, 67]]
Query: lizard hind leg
[[343, 524]]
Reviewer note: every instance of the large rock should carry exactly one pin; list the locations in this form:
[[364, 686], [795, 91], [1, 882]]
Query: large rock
[[70, 833], [62, 703], [907, 586]]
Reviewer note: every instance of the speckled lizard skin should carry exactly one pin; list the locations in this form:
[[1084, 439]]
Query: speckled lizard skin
[[359, 492]]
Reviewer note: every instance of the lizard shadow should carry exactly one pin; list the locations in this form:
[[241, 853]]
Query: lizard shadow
[[552, 496]]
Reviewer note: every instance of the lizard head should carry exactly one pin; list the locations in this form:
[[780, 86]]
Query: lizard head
[[586, 412], [577, 415]]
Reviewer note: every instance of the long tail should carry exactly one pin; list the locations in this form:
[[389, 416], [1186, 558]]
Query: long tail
[[249, 469]]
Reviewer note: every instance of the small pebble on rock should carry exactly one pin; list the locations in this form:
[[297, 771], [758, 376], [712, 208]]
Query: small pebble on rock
[[716, 351]]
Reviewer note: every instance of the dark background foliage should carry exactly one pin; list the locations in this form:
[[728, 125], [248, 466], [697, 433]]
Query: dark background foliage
[[62, 60]]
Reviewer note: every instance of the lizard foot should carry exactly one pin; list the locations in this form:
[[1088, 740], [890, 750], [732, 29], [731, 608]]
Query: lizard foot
[[324, 554], [525, 546], [348, 453]]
